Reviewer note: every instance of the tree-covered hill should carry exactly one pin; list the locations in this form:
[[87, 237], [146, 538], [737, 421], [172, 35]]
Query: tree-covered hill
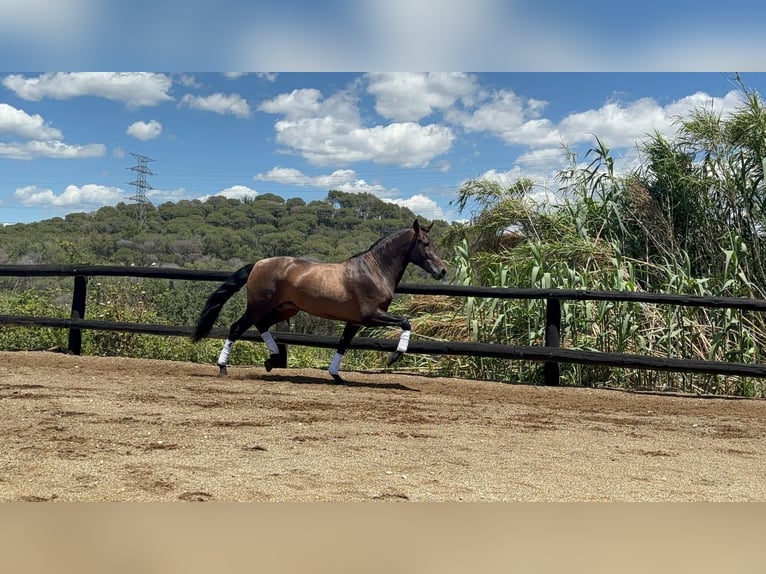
[[218, 233]]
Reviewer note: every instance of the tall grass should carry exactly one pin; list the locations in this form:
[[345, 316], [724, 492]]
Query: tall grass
[[512, 239]]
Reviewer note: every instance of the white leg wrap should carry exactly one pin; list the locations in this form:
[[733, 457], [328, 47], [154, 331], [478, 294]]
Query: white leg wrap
[[404, 342], [223, 358], [335, 364], [270, 342]]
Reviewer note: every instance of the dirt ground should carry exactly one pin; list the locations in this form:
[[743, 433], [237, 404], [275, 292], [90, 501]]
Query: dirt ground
[[114, 429]]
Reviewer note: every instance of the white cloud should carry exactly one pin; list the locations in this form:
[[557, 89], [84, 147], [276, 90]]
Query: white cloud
[[341, 179], [309, 103], [42, 139], [520, 121], [405, 144], [219, 103], [514, 119], [51, 149], [616, 123], [189, 81], [412, 96], [145, 130], [361, 186], [87, 195], [20, 123], [268, 76], [285, 175], [725, 105], [621, 124], [329, 130], [33, 195], [158, 196], [238, 192], [133, 88], [421, 205], [234, 192], [291, 176], [327, 140], [542, 158]]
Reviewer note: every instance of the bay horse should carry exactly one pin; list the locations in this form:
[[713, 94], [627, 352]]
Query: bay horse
[[357, 291]]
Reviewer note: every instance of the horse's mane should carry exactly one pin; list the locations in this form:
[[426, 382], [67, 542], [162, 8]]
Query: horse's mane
[[386, 239]]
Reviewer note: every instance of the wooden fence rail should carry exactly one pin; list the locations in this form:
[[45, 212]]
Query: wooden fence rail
[[551, 354]]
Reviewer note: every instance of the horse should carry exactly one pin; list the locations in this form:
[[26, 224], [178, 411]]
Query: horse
[[357, 291]]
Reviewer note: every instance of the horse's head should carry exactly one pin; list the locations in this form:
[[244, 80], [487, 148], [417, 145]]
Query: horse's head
[[423, 254]]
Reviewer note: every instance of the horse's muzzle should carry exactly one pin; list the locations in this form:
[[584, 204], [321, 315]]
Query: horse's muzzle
[[438, 273]]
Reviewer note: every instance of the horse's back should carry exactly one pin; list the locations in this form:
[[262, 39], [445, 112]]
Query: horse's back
[[284, 267], [317, 288], [284, 272]]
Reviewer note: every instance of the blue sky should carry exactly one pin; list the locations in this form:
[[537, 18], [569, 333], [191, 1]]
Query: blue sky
[[412, 138]]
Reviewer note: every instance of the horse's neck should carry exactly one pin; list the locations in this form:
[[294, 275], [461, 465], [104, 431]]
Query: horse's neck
[[391, 259]]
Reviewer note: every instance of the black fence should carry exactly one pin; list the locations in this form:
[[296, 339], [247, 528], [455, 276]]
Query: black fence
[[551, 353]]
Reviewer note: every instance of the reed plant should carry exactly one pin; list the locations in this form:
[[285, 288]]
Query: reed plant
[[638, 231]]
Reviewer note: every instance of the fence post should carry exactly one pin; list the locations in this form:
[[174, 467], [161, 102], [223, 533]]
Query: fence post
[[551, 369], [78, 312]]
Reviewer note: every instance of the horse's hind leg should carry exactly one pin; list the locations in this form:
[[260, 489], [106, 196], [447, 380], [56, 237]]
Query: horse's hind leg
[[235, 332], [271, 344], [282, 313]]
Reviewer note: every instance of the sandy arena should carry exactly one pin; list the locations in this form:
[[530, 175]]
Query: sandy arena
[[114, 429]]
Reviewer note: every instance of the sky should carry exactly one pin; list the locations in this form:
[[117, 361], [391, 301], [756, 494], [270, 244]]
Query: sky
[[412, 138]]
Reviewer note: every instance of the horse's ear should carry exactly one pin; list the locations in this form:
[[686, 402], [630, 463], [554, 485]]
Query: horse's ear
[[428, 229], [416, 227]]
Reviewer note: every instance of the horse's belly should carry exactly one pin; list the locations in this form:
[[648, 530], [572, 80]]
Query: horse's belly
[[336, 306], [321, 292]]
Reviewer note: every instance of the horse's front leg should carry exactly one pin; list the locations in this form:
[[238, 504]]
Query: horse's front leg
[[383, 319]]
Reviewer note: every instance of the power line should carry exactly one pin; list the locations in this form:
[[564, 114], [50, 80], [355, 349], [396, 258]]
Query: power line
[[141, 188]]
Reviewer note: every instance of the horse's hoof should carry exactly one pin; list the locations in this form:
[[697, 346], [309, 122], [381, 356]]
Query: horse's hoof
[[337, 379], [267, 365], [393, 357], [222, 370]]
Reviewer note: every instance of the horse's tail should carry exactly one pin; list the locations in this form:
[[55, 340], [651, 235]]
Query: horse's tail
[[231, 285]]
